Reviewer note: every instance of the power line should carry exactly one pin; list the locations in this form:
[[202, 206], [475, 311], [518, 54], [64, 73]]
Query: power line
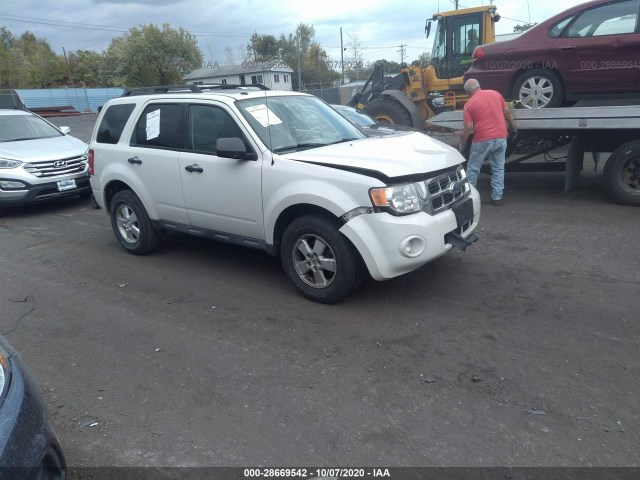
[[513, 19], [106, 28], [62, 23], [218, 34]]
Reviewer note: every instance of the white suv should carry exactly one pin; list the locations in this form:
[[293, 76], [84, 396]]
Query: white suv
[[282, 172]]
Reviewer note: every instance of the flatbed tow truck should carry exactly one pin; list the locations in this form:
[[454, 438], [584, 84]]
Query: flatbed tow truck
[[601, 129]]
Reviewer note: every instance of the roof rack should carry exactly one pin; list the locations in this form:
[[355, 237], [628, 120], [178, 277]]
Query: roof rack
[[190, 88]]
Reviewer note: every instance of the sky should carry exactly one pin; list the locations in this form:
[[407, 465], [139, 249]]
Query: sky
[[381, 26]]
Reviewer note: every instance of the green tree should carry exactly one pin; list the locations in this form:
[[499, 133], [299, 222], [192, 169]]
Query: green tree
[[523, 27], [149, 55], [36, 64], [262, 47], [7, 41], [299, 48], [390, 67], [423, 60], [85, 67], [317, 69]]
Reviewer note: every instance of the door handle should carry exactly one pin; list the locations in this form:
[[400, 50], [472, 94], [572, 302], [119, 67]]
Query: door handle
[[569, 47], [194, 168], [134, 160]]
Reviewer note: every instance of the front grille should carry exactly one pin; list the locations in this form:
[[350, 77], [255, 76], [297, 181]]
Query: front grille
[[445, 189], [56, 168]]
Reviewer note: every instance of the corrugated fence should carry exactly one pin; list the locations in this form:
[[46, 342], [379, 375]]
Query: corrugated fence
[[86, 100]]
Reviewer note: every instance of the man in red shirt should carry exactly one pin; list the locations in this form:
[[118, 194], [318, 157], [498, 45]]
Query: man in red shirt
[[484, 115]]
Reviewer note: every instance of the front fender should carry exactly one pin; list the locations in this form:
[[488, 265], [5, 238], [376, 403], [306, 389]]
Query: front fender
[[317, 192]]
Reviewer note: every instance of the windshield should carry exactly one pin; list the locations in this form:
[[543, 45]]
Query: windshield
[[291, 123], [14, 128]]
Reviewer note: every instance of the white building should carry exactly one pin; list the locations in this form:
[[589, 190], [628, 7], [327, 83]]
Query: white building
[[272, 74]]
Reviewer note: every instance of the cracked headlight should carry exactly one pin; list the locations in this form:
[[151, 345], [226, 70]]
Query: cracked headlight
[[397, 200]]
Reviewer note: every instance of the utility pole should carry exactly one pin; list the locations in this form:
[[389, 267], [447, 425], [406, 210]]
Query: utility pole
[[402, 48], [68, 68], [341, 56], [298, 52]]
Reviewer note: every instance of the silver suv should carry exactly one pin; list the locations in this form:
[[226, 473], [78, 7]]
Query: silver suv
[[282, 172], [39, 161]]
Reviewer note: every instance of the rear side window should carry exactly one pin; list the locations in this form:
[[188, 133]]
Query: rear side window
[[158, 126], [113, 122], [559, 27], [610, 19]]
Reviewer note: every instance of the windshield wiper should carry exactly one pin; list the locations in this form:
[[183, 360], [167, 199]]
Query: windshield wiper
[[298, 146], [304, 146], [344, 140]]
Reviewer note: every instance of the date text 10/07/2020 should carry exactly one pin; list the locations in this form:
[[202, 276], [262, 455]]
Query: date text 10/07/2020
[[316, 473]]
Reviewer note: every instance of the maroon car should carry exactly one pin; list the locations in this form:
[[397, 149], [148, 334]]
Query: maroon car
[[588, 51]]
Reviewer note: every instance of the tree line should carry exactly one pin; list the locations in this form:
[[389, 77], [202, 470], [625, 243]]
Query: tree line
[[153, 55], [146, 55]]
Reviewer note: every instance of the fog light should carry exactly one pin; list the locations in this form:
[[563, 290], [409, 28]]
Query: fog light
[[8, 184], [413, 246]]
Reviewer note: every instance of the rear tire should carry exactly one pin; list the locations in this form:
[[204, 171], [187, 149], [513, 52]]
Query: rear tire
[[622, 174], [538, 88], [319, 260], [388, 110], [131, 224]]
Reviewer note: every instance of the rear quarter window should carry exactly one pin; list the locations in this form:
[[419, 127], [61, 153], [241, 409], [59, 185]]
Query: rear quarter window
[[113, 122]]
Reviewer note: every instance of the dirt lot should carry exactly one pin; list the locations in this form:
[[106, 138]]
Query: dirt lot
[[523, 351]]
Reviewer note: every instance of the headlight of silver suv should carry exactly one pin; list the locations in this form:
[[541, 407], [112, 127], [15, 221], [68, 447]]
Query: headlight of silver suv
[[6, 163], [398, 199]]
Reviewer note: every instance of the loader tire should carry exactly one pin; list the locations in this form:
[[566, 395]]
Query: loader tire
[[388, 110]]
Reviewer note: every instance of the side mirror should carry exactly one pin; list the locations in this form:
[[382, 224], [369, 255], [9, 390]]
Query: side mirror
[[427, 28], [233, 147], [65, 130]]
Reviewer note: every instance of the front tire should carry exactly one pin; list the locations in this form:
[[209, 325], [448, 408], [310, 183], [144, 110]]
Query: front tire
[[621, 174], [319, 260], [131, 224], [538, 88], [388, 110]]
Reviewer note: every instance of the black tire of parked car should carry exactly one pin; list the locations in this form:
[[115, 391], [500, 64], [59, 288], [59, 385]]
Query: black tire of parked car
[[131, 224], [388, 110], [538, 76], [621, 174], [319, 260]]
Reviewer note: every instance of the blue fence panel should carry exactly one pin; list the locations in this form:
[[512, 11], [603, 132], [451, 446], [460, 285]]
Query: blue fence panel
[[82, 99]]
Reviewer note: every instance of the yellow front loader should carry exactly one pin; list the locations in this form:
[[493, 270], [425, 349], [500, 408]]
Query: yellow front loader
[[420, 92]]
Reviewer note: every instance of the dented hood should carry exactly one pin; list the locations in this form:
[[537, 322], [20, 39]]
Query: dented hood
[[393, 156]]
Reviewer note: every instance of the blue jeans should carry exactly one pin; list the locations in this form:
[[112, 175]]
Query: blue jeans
[[494, 151]]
